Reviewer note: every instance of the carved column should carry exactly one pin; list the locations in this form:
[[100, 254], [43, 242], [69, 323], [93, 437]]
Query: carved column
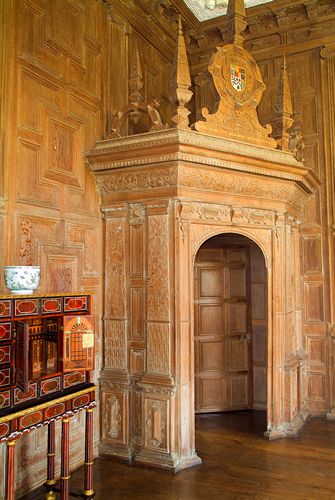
[[88, 472], [10, 480], [65, 460], [51, 456], [328, 82]]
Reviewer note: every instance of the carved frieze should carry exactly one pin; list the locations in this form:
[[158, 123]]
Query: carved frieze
[[225, 182], [137, 180]]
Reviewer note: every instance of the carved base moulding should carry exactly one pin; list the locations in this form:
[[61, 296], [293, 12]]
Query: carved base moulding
[[164, 194]]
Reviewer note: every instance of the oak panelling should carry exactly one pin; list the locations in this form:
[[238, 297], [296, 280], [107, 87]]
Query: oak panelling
[[316, 353], [137, 251], [305, 81], [157, 71], [137, 359], [314, 312], [55, 117], [317, 387], [137, 319], [312, 256]]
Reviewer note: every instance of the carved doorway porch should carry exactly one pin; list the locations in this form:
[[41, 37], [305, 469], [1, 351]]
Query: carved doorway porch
[[230, 325]]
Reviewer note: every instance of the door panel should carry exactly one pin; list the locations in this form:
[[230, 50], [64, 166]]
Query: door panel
[[223, 366]]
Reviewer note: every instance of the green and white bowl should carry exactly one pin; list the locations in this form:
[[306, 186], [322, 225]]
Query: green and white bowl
[[22, 280]]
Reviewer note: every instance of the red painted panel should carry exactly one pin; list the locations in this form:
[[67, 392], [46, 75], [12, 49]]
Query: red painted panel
[[5, 308], [5, 377], [52, 305], [54, 411], [5, 331], [80, 401], [20, 397], [72, 304], [4, 429], [5, 354], [4, 399], [50, 385], [74, 378], [31, 419], [26, 307]]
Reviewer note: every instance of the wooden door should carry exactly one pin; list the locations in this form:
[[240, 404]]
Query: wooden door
[[223, 351]]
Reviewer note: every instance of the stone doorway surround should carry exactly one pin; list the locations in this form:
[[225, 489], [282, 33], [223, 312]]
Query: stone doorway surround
[[163, 194]]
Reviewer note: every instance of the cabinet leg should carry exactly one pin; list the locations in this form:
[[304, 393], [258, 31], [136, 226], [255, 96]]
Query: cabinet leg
[[51, 481], [65, 460], [10, 480], [88, 491]]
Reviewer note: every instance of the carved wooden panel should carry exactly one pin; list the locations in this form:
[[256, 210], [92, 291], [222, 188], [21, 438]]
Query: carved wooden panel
[[158, 268], [113, 416], [156, 414]]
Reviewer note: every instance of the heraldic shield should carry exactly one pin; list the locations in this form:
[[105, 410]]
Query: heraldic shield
[[237, 77]]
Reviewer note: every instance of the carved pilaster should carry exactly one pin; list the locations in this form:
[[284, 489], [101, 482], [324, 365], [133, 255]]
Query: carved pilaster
[[328, 81]]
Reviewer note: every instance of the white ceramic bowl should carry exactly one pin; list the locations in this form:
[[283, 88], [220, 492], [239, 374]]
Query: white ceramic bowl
[[22, 280]]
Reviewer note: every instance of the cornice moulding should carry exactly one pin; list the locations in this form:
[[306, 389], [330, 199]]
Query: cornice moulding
[[175, 146]]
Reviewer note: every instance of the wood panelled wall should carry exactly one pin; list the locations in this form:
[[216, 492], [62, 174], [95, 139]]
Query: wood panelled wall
[[305, 82], [64, 69], [49, 207]]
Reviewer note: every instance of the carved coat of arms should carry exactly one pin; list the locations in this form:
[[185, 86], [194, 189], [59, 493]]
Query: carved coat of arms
[[237, 77]]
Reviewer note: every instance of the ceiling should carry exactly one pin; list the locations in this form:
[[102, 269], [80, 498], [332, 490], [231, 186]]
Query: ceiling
[[208, 9]]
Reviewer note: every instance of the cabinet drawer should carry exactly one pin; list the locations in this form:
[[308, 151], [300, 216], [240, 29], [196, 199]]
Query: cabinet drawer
[[5, 331], [5, 354], [4, 399], [51, 305], [5, 308], [20, 397], [26, 307], [73, 304], [5, 377]]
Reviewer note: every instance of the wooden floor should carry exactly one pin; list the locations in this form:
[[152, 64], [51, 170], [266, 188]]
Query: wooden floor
[[238, 463]]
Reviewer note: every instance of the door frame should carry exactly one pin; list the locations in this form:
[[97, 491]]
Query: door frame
[[266, 249]]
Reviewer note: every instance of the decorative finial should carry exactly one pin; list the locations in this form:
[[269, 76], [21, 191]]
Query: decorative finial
[[236, 21], [283, 120], [181, 81], [130, 120], [136, 77]]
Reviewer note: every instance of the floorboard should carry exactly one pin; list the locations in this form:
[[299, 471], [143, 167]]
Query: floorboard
[[238, 463]]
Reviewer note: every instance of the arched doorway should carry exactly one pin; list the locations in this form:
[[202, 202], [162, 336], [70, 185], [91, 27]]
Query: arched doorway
[[230, 325]]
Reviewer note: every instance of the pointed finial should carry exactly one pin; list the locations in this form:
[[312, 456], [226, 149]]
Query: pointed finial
[[136, 77], [181, 81], [283, 121], [236, 21]]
